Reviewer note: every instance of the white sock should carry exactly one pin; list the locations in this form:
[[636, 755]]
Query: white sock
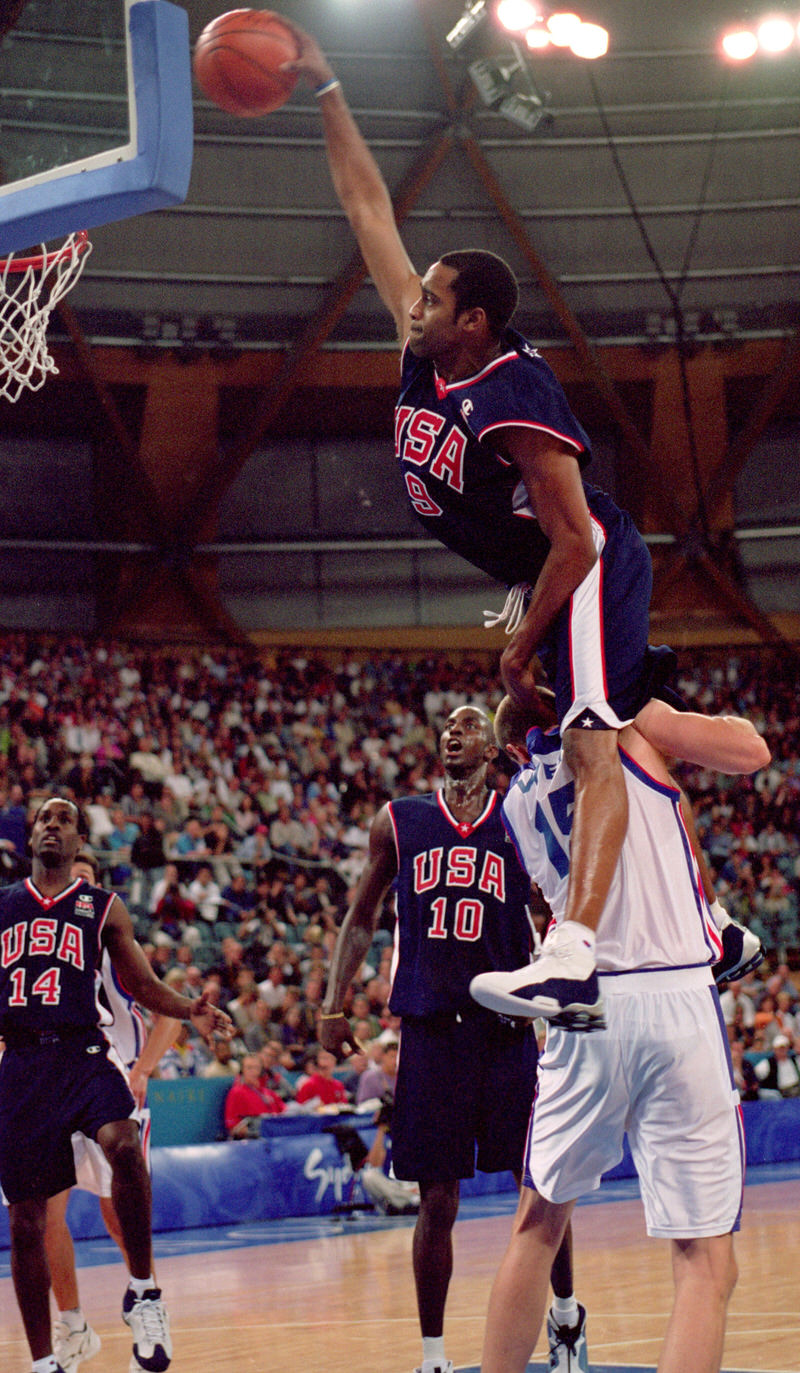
[[141, 1285], [46, 1365], [73, 1318], [432, 1353], [564, 1311]]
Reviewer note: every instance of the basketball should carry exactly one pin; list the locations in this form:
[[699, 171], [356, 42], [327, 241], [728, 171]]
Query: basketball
[[237, 61]]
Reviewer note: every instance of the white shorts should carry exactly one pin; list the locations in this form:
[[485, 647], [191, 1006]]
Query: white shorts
[[92, 1169], [661, 1072]]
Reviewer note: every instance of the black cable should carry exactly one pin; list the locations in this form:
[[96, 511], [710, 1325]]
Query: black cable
[[701, 199], [673, 294]]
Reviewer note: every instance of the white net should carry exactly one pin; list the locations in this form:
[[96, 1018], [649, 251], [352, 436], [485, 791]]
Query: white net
[[30, 288]]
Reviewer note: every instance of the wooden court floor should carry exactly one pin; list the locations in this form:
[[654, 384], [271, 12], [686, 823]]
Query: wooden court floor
[[343, 1302]]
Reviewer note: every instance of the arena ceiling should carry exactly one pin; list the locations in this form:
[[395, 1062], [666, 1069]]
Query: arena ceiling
[[661, 179], [651, 214]]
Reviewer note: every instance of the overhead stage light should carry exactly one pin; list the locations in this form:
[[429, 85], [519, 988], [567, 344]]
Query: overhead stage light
[[563, 26], [518, 15], [775, 34], [739, 44], [470, 20], [537, 38], [506, 85], [589, 41]]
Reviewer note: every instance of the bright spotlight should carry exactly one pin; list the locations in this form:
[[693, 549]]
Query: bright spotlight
[[517, 15], [739, 44], [775, 34], [590, 41], [563, 28], [537, 38]]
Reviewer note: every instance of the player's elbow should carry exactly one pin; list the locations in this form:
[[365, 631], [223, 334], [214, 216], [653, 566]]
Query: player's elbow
[[581, 553], [760, 755]]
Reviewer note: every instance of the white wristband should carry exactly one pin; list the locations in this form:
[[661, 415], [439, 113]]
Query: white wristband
[[332, 85], [721, 917]]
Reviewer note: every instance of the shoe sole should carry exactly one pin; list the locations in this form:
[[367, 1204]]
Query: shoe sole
[[740, 969], [575, 1016], [95, 1345]]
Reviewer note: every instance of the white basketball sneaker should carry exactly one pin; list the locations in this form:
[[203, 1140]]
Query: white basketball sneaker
[[561, 986], [568, 1351], [71, 1347], [149, 1323]]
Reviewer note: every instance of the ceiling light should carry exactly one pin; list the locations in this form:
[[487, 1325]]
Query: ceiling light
[[739, 44], [563, 27], [775, 34], [517, 15], [537, 38], [527, 112], [498, 81], [590, 41], [472, 17]]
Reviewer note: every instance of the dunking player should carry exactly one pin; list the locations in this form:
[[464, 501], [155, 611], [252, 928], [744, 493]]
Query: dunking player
[[74, 1340], [491, 457], [464, 1078], [57, 1075], [661, 1071]]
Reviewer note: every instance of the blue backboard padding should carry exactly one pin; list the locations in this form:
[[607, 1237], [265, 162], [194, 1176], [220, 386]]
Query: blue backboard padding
[[159, 172]]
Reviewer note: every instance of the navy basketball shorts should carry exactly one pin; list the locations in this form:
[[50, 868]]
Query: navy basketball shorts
[[465, 1084], [594, 653], [46, 1093]]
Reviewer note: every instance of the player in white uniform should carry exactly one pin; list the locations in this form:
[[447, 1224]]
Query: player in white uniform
[[660, 1071], [123, 1024]]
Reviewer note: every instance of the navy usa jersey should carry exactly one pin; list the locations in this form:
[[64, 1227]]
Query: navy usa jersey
[[461, 904], [49, 952], [449, 442]]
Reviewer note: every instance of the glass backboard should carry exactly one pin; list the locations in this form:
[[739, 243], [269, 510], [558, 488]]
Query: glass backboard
[[95, 115]]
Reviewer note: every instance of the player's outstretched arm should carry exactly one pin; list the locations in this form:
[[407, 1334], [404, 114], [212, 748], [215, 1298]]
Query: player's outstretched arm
[[358, 928], [726, 743], [140, 982], [361, 189]]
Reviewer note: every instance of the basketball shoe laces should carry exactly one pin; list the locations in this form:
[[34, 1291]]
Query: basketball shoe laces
[[513, 609], [151, 1313]]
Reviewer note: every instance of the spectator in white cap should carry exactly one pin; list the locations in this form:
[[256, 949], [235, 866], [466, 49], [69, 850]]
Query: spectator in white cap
[[779, 1072]]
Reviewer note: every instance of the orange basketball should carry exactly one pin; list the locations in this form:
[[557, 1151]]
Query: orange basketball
[[237, 61]]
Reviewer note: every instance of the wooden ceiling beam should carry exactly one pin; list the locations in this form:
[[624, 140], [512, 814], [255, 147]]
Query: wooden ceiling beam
[[731, 464]]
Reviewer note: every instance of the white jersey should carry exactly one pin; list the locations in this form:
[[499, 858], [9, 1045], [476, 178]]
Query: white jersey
[[123, 1025], [660, 1072], [656, 914], [121, 1020]]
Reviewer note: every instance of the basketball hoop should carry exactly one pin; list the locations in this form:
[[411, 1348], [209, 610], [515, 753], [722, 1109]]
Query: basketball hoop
[[30, 287]]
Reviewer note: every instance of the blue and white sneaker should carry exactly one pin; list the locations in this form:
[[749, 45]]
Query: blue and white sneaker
[[742, 951], [71, 1347], [149, 1323], [561, 986], [568, 1350]]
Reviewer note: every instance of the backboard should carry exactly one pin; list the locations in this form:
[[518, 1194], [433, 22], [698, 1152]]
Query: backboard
[[95, 115]]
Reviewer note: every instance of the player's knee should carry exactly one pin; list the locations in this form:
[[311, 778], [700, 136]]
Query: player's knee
[[125, 1157], [708, 1265], [26, 1223], [439, 1206]]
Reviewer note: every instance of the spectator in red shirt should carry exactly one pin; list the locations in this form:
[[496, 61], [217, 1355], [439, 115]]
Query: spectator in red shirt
[[247, 1099], [321, 1088]]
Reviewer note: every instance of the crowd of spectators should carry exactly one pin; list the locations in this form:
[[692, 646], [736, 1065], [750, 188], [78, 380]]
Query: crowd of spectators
[[230, 793]]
